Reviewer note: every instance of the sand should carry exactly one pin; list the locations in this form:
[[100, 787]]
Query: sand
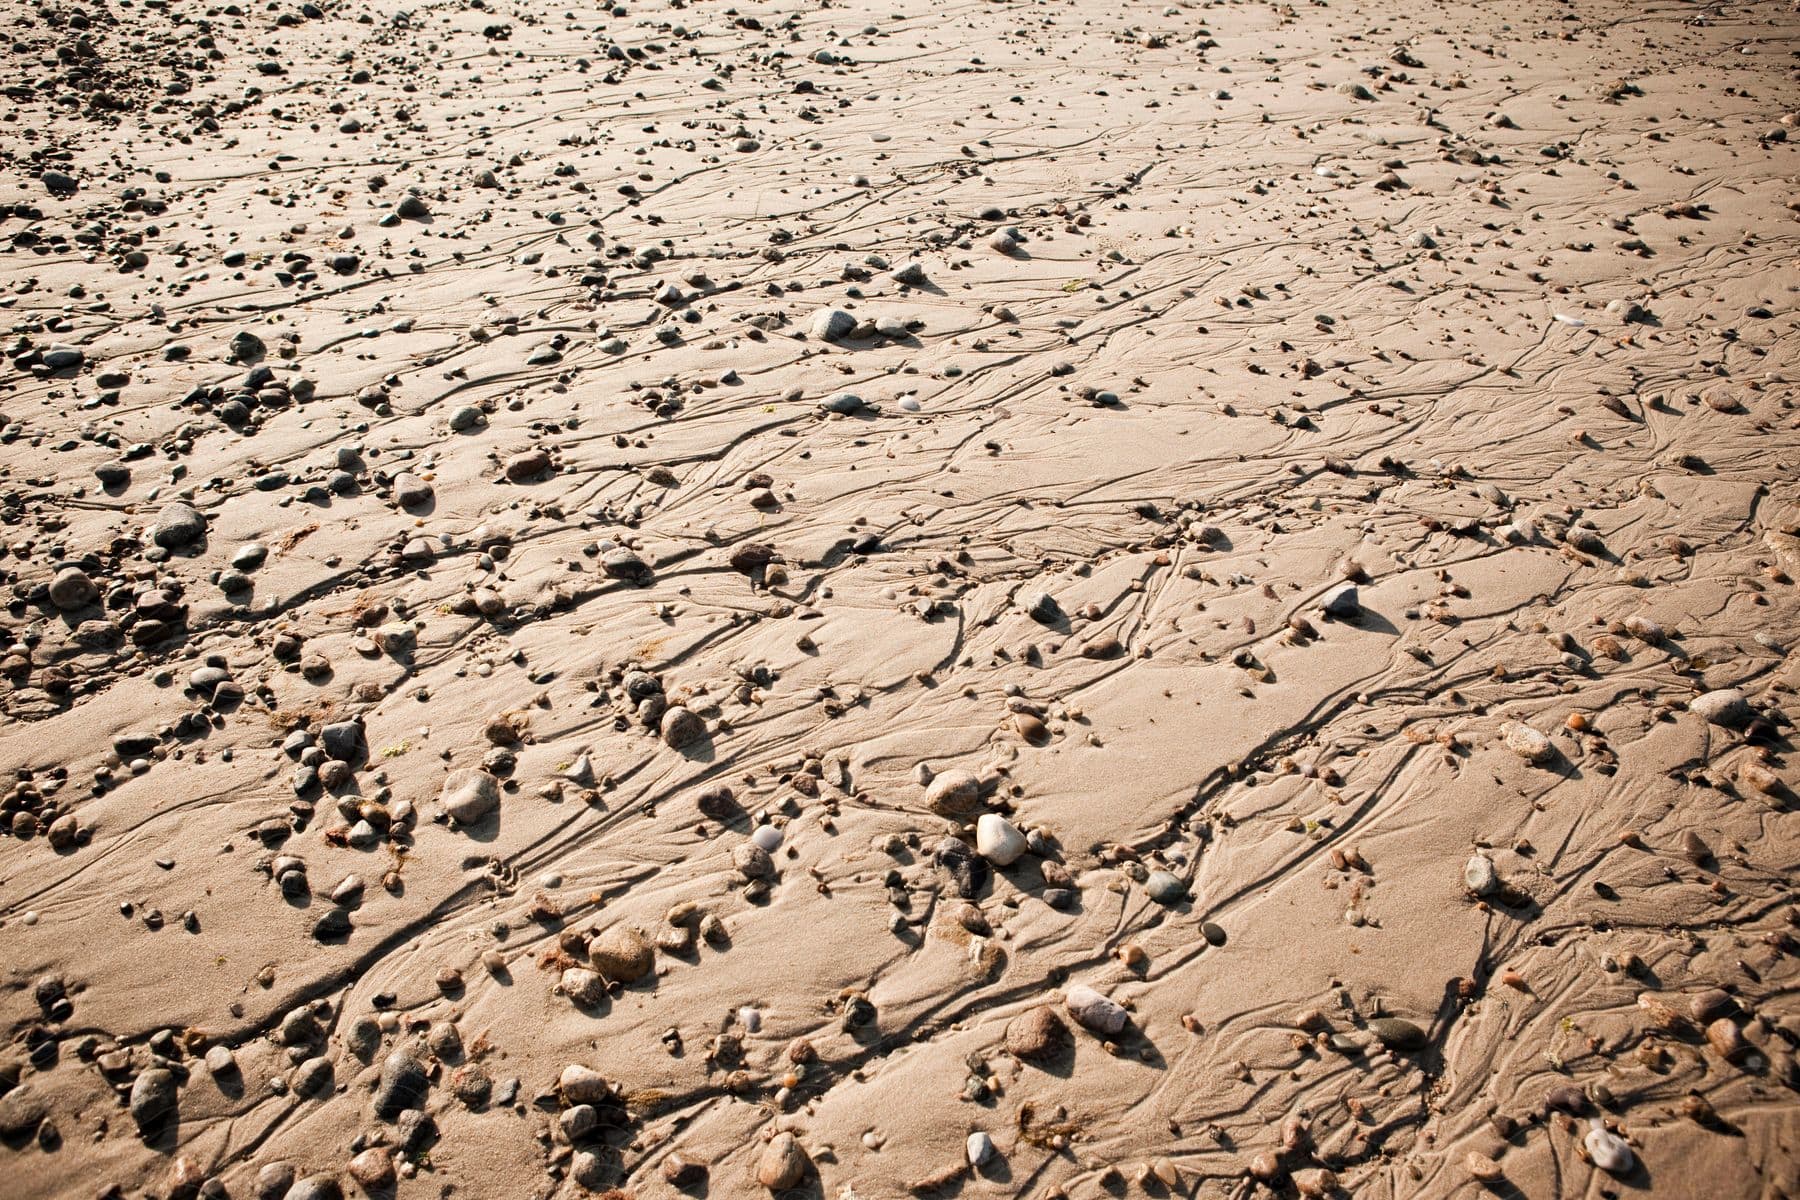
[[986, 599]]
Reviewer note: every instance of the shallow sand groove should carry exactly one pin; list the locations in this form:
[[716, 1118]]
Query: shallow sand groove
[[1485, 310]]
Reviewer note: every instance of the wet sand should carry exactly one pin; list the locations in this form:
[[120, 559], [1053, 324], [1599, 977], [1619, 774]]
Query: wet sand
[[738, 599]]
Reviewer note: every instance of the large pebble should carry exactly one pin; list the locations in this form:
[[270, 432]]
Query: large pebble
[[1036, 1034], [1095, 1012], [468, 795], [1608, 1150], [153, 1099], [1397, 1034], [999, 840], [1165, 887], [829, 324], [583, 1085], [178, 525], [71, 589], [1528, 743], [783, 1163], [402, 1084], [1481, 876], [681, 727], [955, 793], [622, 953], [1727, 707]]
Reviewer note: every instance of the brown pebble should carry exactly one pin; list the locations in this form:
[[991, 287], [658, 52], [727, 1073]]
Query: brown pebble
[[373, 1168], [783, 1163], [1482, 1168]]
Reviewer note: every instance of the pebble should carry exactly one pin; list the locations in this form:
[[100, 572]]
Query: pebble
[[980, 1148], [954, 793], [71, 589], [1481, 876], [588, 1170], [273, 1180], [178, 525], [402, 1084], [999, 840], [783, 1163], [1397, 1034], [1528, 743], [581, 1084], [1727, 707], [373, 1168], [153, 1100], [622, 953], [830, 324], [315, 1187], [681, 727], [583, 987], [469, 796], [22, 1110], [1608, 1149], [1165, 887], [410, 491], [1094, 1012], [1341, 602], [1036, 1034]]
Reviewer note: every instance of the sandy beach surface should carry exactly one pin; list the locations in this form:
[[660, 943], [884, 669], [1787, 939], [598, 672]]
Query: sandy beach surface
[[978, 598]]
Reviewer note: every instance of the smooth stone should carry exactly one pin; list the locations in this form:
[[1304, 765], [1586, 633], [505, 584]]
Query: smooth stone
[[22, 1110], [955, 793], [980, 1148], [469, 796], [274, 1180], [842, 403], [402, 1085], [1341, 601], [681, 727], [1166, 887], [578, 1122], [622, 953], [71, 589], [373, 1168], [583, 1085], [767, 838], [153, 1099], [588, 1170], [1481, 876], [315, 1187], [178, 525], [1036, 1033], [1608, 1149], [1397, 1034], [999, 840], [1095, 1012], [1727, 707], [783, 1164], [1528, 743]]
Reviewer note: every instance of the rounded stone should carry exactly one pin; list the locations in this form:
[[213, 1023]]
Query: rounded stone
[[622, 953]]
